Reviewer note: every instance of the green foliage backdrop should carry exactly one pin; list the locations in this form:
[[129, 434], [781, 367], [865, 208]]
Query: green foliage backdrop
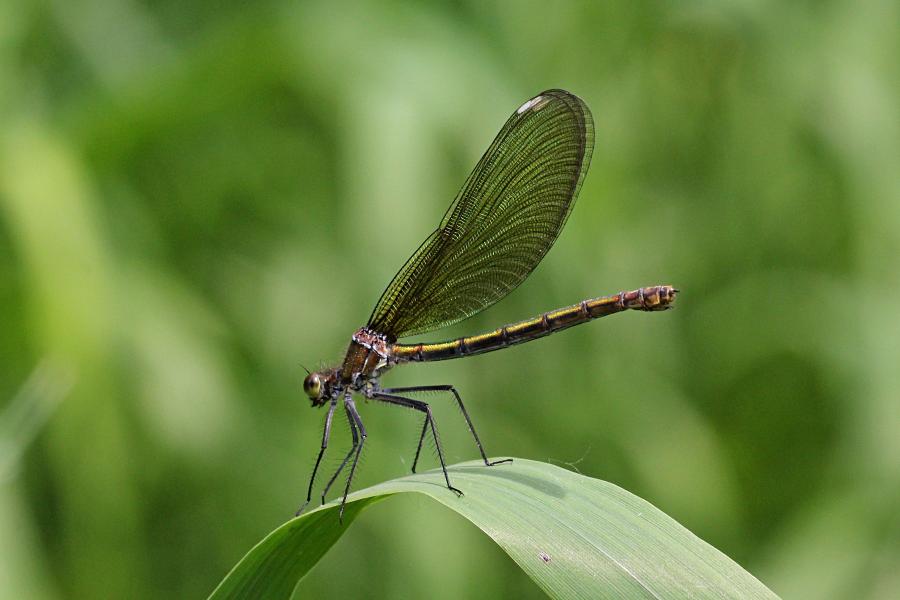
[[196, 198]]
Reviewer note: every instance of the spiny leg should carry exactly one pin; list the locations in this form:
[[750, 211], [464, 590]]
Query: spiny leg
[[325, 434], [346, 458], [462, 407], [422, 407], [354, 414], [421, 441]]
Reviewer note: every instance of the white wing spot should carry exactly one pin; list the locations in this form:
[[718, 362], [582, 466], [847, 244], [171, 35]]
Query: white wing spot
[[530, 104]]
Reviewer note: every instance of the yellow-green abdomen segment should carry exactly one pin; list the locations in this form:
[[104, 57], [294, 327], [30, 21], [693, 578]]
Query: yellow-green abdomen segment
[[654, 298]]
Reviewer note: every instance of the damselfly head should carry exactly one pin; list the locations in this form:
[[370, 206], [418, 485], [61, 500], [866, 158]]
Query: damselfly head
[[314, 386]]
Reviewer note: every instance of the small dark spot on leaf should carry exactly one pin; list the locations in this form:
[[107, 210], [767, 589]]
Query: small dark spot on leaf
[[544, 557]]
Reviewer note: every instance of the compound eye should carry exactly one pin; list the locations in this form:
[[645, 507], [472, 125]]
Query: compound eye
[[312, 385]]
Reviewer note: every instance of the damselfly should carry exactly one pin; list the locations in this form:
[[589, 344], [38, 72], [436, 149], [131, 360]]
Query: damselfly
[[503, 221]]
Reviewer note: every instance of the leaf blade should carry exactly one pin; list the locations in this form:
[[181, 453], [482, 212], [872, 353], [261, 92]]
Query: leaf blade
[[575, 536]]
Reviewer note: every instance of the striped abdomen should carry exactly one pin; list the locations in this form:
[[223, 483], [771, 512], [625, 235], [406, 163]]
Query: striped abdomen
[[649, 298]]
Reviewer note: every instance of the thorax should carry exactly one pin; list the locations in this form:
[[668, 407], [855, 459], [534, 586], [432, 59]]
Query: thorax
[[368, 357]]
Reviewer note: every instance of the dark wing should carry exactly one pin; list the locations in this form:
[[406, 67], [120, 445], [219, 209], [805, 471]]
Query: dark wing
[[501, 224]]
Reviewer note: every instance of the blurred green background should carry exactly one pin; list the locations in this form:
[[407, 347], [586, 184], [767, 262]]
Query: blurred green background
[[197, 197]]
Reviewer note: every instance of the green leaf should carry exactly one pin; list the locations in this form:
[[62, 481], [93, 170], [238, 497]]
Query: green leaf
[[576, 537]]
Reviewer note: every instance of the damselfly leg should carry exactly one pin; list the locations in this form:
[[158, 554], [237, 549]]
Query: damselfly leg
[[462, 407], [358, 432], [344, 462], [354, 414], [325, 435], [429, 420]]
